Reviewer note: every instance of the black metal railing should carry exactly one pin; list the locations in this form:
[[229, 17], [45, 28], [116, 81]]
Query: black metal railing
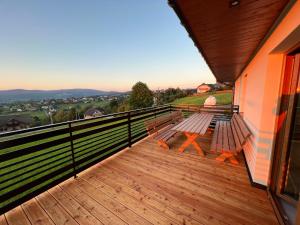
[[36, 159], [217, 109], [221, 112]]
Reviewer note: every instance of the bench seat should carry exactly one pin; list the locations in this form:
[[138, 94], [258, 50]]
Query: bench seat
[[161, 127], [229, 138], [164, 135]]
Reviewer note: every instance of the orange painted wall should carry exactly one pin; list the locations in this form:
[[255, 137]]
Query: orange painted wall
[[258, 90]]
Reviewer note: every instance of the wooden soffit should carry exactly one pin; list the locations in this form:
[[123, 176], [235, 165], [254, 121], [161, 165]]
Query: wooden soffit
[[228, 36]]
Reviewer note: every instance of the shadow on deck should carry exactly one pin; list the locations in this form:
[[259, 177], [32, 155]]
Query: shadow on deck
[[149, 185]]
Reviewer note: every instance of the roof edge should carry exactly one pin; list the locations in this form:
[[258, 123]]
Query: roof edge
[[184, 23], [276, 23], [174, 5]]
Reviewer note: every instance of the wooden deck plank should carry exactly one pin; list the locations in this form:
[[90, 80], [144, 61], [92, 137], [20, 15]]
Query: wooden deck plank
[[143, 210], [36, 214], [173, 199], [78, 212], [115, 206], [201, 189], [17, 216], [206, 205], [3, 220], [114, 179], [55, 211], [95, 208], [172, 167]]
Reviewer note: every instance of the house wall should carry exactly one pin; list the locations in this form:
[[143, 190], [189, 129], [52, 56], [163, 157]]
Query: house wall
[[203, 88], [257, 92]]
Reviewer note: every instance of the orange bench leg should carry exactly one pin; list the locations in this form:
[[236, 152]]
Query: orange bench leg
[[233, 160], [163, 144], [226, 155]]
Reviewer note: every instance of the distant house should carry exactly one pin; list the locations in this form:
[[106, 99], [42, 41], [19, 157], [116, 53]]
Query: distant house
[[45, 107], [15, 122], [91, 113], [203, 88]]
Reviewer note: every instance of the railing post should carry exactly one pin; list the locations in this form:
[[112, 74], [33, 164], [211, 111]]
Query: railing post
[[72, 150], [129, 129], [170, 109]]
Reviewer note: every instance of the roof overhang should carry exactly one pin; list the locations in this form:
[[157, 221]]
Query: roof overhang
[[229, 36]]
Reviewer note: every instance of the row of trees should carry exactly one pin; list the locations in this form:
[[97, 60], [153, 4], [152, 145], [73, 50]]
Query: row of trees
[[170, 94], [140, 97]]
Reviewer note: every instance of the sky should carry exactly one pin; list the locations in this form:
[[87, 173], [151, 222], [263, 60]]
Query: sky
[[97, 44]]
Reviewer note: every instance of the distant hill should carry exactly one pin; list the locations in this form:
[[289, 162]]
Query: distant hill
[[8, 96]]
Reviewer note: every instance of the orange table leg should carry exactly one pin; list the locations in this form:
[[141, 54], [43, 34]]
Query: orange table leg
[[191, 139], [228, 155]]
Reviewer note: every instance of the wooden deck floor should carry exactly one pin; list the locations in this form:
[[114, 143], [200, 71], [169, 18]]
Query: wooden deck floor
[[149, 185]]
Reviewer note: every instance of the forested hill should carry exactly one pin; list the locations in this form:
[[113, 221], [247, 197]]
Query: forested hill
[[8, 96]]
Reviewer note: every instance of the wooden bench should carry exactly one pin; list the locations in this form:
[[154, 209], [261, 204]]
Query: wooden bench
[[229, 138], [161, 127]]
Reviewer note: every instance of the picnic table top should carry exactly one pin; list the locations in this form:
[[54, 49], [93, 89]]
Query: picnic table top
[[197, 123]]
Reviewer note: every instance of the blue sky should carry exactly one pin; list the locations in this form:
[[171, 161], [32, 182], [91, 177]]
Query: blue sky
[[98, 44]]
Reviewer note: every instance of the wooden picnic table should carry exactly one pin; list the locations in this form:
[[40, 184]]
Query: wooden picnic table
[[194, 126]]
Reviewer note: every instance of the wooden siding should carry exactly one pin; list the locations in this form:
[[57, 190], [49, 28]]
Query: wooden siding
[[149, 185]]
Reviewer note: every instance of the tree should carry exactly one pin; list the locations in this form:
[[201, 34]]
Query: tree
[[64, 115], [59, 116], [141, 96], [123, 106], [36, 121], [72, 114], [169, 95], [114, 104]]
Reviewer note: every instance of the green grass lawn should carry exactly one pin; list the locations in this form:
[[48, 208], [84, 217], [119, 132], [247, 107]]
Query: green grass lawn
[[222, 99], [81, 105]]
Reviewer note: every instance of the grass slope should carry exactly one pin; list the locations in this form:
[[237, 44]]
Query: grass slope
[[223, 98]]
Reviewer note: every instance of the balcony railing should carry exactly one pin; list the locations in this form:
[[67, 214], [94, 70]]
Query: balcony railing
[[36, 159]]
